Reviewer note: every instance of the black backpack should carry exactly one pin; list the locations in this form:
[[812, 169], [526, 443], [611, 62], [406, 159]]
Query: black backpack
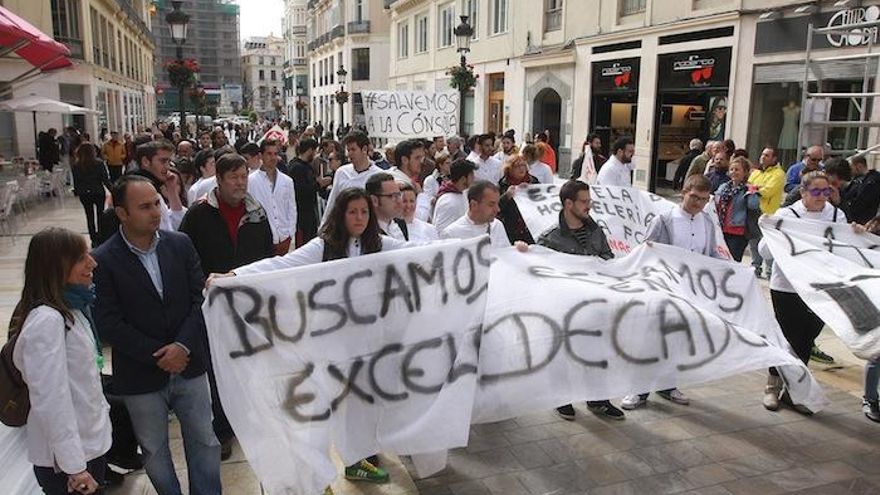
[[14, 401]]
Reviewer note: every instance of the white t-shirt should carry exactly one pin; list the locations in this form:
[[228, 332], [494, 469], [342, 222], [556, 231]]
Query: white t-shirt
[[615, 173], [465, 228], [421, 231], [449, 208]]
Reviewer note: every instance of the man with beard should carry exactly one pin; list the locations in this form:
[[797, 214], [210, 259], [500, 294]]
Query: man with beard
[[617, 170]]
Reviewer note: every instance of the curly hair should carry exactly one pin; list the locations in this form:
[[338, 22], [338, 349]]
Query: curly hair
[[335, 234]]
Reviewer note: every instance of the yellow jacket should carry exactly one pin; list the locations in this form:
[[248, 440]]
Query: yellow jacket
[[114, 154], [770, 182]]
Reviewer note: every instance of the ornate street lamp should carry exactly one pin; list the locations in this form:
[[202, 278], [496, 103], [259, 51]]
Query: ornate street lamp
[[463, 33], [341, 97], [178, 21]]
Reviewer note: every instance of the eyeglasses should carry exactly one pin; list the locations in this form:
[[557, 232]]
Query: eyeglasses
[[816, 192], [396, 195]]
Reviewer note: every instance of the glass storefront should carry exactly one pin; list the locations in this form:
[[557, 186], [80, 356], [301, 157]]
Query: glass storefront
[[615, 88]]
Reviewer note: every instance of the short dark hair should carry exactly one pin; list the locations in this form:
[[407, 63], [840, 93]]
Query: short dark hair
[[119, 191], [201, 159], [478, 189], [223, 150], [620, 144], [306, 145], [840, 168], [269, 142], [461, 168], [357, 137], [591, 136], [406, 148], [859, 159], [204, 133], [230, 162], [697, 182], [485, 137], [570, 190], [150, 149], [374, 183], [249, 149], [772, 150], [141, 139], [405, 186]]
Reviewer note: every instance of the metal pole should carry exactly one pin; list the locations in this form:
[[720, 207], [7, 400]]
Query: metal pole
[[181, 101], [804, 91], [461, 95]]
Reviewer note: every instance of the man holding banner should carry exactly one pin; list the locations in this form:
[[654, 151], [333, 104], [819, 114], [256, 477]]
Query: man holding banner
[[579, 234]]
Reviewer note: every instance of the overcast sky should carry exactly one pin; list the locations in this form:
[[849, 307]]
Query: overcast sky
[[261, 17]]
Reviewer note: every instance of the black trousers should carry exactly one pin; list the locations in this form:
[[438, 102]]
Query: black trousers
[[93, 204], [54, 483], [799, 324], [221, 425], [737, 245], [115, 171]]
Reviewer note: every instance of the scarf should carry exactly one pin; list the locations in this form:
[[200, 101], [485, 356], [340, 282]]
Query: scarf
[[80, 298], [447, 187], [511, 182], [726, 200]]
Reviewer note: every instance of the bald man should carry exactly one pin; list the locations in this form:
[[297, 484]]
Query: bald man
[[185, 150], [812, 161]]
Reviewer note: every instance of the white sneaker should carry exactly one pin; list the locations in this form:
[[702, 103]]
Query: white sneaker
[[675, 395], [631, 402]]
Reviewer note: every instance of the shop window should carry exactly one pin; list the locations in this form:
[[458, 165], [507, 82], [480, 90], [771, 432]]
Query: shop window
[[630, 7]]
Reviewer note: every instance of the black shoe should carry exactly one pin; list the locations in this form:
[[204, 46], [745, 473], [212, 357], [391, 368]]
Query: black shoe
[[112, 478], [566, 412], [374, 460], [131, 463], [226, 449], [606, 408]]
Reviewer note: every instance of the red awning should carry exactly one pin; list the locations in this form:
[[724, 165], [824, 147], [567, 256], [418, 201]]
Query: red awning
[[40, 50]]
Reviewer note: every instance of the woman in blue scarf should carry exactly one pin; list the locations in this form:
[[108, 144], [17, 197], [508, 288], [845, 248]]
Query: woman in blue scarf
[[56, 349]]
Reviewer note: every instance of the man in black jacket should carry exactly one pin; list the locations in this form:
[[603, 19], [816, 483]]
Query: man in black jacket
[[695, 148], [861, 197], [229, 229], [577, 233], [148, 307], [305, 186], [595, 143]]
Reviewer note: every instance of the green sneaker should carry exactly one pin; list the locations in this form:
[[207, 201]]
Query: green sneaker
[[818, 356], [365, 471], [328, 491]]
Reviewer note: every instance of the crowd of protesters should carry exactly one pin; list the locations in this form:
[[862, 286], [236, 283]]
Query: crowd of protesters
[[179, 211]]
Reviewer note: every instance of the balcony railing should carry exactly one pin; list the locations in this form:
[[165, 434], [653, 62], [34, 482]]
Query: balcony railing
[[358, 27], [133, 15], [75, 45], [337, 32], [298, 62], [553, 20], [298, 30]]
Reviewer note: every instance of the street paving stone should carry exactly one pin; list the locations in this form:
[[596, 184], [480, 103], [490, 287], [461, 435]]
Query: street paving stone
[[724, 443]]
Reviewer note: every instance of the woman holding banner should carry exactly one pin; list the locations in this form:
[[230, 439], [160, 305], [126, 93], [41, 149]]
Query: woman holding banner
[[799, 323], [733, 200], [516, 174]]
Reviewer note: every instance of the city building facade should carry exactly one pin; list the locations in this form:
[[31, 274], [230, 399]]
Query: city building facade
[[661, 71], [351, 35], [262, 62], [112, 49], [213, 41], [296, 67]]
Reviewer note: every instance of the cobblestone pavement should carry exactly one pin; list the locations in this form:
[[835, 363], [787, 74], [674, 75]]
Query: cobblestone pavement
[[723, 443]]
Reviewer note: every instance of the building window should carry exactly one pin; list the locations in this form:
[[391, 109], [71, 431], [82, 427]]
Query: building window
[[65, 24], [262, 61], [403, 40], [552, 15], [330, 67], [446, 25], [422, 34], [359, 13], [262, 75], [360, 61], [469, 7], [499, 15], [273, 76], [630, 7]]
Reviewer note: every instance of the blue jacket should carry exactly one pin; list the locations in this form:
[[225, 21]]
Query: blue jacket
[[136, 321], [793, 175], [742, 203]]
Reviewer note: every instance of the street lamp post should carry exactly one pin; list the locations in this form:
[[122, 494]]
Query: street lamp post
[[178, 21], [300, 91], [463, 33], [342, 97]]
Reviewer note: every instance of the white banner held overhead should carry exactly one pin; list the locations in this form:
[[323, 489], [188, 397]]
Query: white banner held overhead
[[624, 213], [836, 272], [561, 328], [372, 354], [410, 114]]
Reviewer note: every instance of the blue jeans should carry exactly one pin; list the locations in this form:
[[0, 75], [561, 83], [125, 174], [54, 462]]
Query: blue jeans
[[190, 399], [872, 379]]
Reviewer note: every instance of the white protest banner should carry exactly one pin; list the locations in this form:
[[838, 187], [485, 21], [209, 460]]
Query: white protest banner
[[836, 272], [561, 328], [410, 114], [624, 213], [372, 354]]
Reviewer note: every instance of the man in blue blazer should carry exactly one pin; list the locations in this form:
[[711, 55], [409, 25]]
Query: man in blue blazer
[[149, 295]]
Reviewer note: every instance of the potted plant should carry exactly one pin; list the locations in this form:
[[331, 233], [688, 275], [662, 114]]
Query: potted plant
[[463, 78], [182, 72]]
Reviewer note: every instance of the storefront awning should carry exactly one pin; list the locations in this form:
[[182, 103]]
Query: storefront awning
[[40, 50]]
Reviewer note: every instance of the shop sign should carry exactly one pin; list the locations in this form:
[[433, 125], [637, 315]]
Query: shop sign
[[790, 33], [616, 75], [695, 70]]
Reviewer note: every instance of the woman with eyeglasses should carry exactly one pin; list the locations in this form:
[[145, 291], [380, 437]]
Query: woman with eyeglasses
[[798, 322]]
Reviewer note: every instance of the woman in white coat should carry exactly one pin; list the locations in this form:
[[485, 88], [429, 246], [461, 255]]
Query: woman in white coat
[[59, 356]]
